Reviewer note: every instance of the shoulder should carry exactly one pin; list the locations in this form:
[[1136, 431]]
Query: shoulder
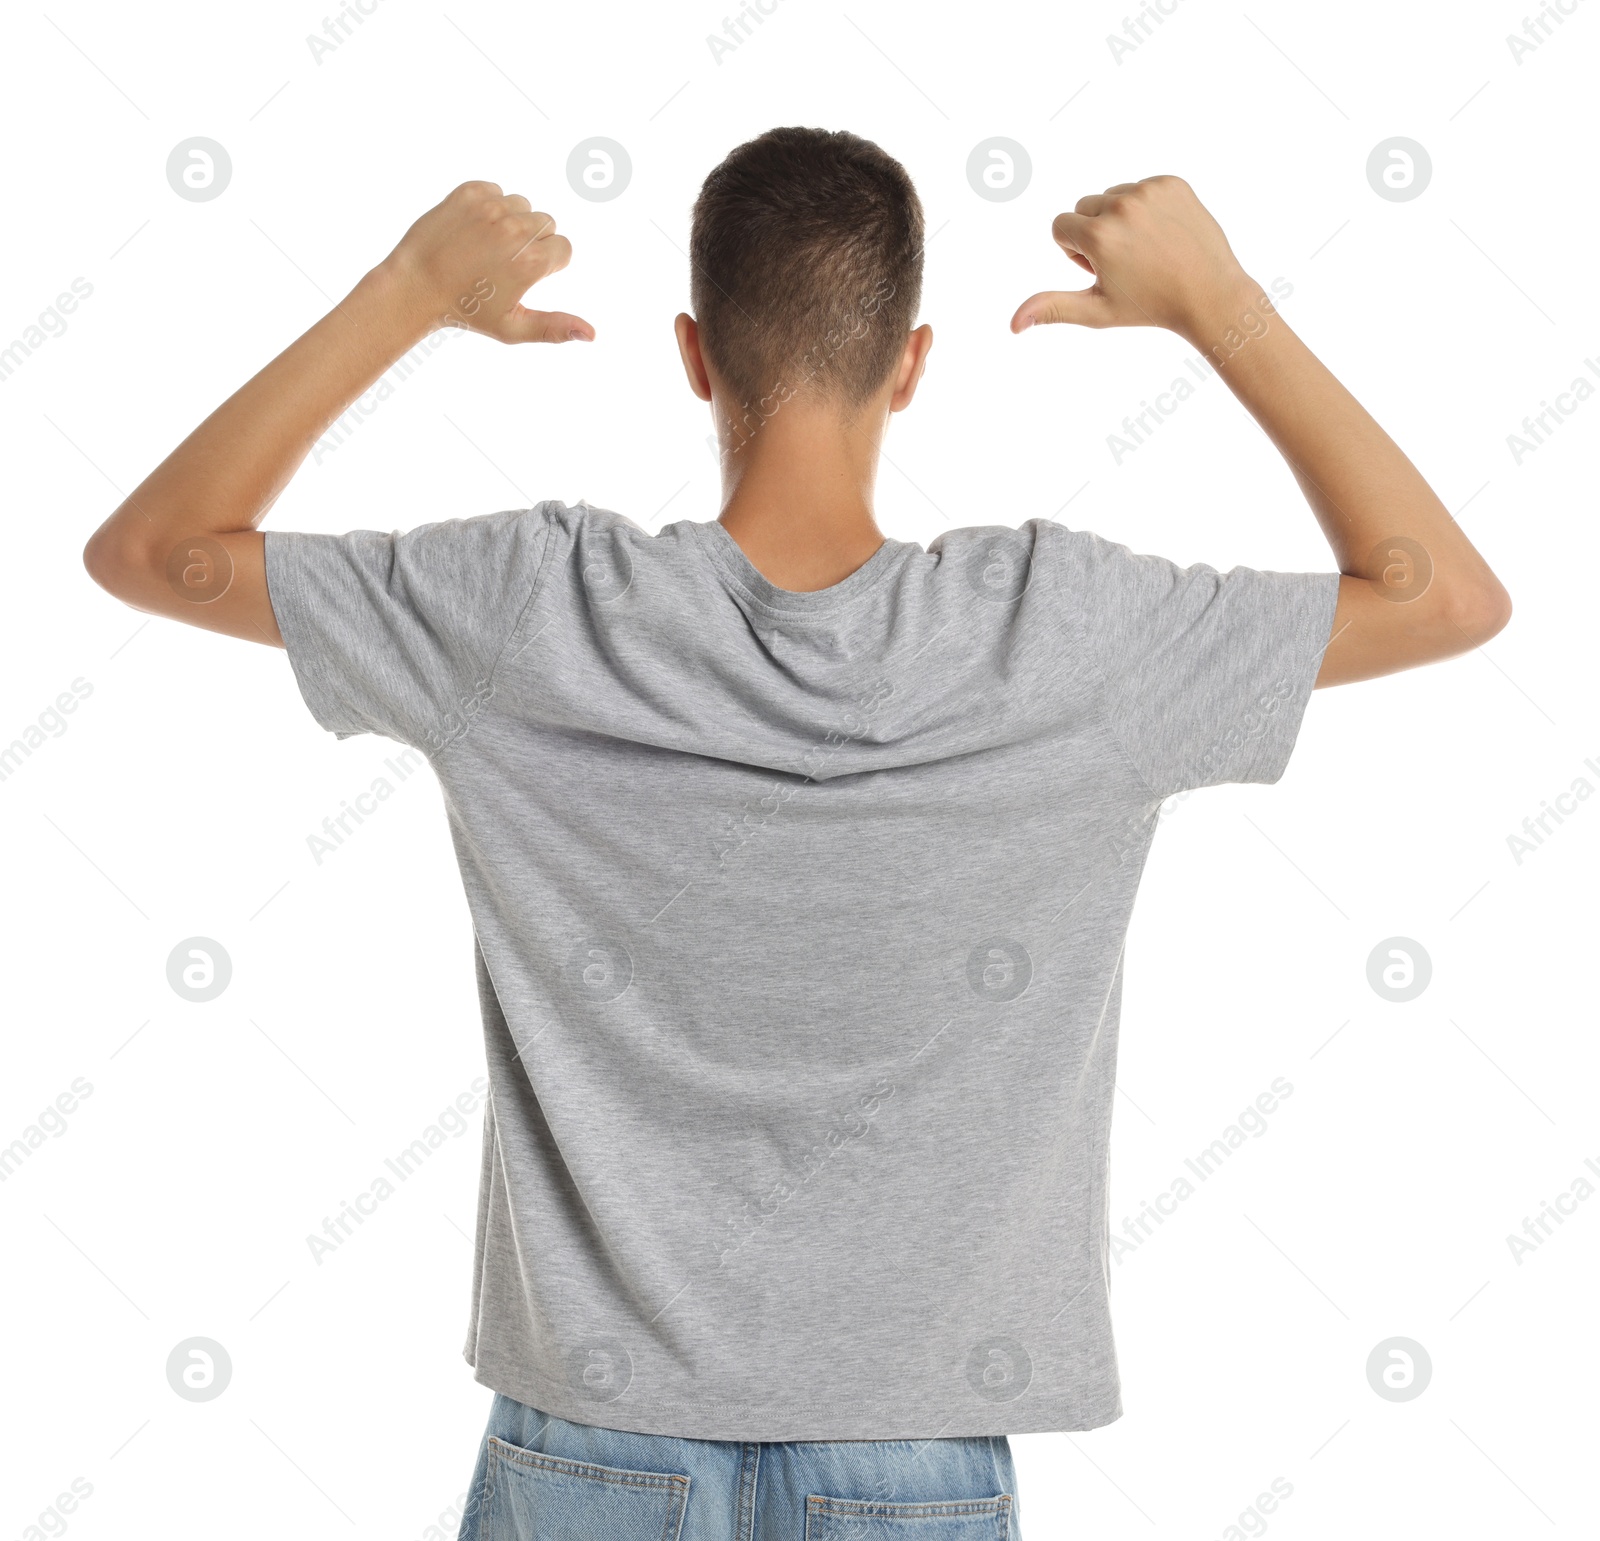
[[1005, 560], [465, 538], [583, 520], [1044, 539], [581, 528]]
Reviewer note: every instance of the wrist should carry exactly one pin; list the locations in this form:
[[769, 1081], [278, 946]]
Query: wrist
[[1239, 310], [398, 305]]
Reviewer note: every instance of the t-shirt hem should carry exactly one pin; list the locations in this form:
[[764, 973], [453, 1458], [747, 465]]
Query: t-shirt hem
[[801, 1422]]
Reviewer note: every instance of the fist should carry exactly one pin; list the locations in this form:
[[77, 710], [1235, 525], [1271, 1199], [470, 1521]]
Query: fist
[[469, 261], [1158, 259]]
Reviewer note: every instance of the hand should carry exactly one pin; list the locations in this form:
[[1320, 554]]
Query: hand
[[1158, 259], [469, 261]]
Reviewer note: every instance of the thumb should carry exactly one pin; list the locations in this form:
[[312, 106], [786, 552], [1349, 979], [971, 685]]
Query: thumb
[[1078, 307], [523, 325]]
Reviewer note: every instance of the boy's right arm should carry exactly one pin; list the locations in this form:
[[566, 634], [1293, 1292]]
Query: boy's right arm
[[1414, 589]]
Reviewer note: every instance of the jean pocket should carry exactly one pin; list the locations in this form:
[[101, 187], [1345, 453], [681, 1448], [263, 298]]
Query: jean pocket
[[965, 1519], [535, 1497]]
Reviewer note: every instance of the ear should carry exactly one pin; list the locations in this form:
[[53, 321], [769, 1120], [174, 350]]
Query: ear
[[912, 362], [694, 366]]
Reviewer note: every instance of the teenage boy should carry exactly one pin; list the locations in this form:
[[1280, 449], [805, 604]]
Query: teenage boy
[[799, 859]]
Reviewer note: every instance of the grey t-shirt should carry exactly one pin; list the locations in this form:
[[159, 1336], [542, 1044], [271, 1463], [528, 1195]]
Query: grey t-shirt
[[799, 924]]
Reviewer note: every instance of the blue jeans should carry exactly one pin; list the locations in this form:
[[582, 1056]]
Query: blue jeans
[[543, 1479]]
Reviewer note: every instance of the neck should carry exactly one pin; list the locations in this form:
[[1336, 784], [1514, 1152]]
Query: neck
[[797, 496]]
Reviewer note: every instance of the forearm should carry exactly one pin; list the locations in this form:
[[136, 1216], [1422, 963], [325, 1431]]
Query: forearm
[[185, 544], [225, 476], [1413, 588], [1366, 494]]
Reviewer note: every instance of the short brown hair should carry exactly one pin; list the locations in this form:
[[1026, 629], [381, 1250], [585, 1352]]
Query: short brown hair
[[806, 253]]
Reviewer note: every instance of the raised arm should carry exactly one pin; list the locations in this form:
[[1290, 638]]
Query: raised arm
[[1414, 590], [185, 543]]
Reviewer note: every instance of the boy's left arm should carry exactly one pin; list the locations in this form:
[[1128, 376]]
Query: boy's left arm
[[185, 543]]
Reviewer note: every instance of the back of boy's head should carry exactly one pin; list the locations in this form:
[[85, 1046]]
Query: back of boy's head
[[806, 254]]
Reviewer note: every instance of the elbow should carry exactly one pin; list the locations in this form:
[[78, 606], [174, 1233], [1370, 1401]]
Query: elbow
[[95, 559], [110, 560], [99, 561], [1480, 611]]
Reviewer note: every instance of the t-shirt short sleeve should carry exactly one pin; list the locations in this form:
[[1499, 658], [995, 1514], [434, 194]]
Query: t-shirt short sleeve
[[400, 634], [1207, 674]]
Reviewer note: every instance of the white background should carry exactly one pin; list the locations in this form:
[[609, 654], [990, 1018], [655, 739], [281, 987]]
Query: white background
[[179, 798]]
